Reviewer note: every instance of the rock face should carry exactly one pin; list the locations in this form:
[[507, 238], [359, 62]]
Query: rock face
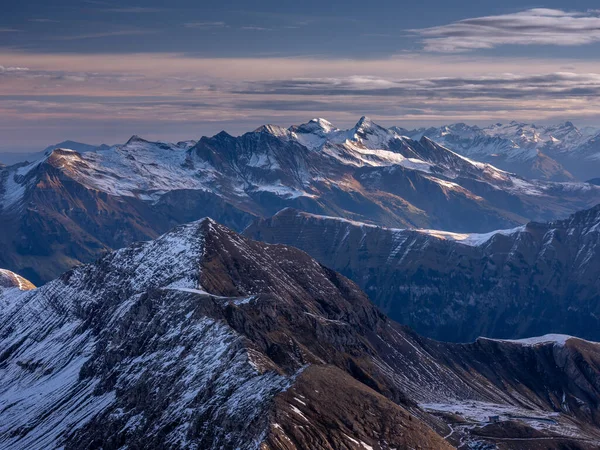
[[536, 279], [206, 339], [73, 206]]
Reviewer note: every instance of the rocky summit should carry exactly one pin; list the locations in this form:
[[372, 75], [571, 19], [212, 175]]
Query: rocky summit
[[204, 339]]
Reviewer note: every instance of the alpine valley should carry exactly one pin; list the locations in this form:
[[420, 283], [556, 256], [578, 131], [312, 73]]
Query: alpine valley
[[204, 339]]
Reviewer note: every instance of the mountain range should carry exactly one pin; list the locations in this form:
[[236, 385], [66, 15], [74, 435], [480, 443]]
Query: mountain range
[[534, 279], [10, 158], [73, 206], [205, 339], [555, 152]]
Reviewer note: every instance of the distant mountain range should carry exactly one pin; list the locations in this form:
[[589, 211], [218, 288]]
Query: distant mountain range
[[9, 158], [205, 339], [558, 152], [72, 206], [535, 279]]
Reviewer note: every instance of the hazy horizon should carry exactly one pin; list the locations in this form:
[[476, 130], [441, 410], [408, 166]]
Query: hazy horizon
[[238, 129]]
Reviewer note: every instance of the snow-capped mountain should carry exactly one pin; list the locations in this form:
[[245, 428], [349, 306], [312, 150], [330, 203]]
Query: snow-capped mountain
[[10, 158], [556, 152], [534, 279], [84, 203], [204, 339], [77, 146]]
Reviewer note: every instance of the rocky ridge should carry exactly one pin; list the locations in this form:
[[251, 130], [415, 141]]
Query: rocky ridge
[[535, 279], [206, 339]]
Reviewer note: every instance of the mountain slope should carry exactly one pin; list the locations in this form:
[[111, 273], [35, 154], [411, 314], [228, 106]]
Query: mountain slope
[[86, 203], [205, 339], [10, 280], [54, 221], [535, 279]]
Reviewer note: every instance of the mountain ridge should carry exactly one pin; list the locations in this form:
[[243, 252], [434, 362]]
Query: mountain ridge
[[87, 203], [558, 152], [536, 279], [206, 339]]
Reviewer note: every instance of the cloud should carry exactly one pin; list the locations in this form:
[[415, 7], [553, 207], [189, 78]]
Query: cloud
[[102, 34], [43, 20], [13, 69], [503, 86], [188, 93], [37, 76], [537, 26], [253, 28], [132, 9], [205, 25]]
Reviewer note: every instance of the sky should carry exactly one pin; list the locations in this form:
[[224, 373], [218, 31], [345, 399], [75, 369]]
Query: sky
[[100, 71]]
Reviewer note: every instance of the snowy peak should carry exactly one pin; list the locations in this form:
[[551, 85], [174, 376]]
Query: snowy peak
[[135, 139], [364, 123], [317, 125], [170, 261], [274, 130], [63, 158]]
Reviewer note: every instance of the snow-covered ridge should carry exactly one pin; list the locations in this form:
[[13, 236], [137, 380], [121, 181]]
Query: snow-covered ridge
[[560, 152], [470, 239], [147, 170], [50, 384], [554, 339]]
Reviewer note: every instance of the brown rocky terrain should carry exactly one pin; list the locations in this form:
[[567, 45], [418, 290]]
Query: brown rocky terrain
[[10, 280], [207, 339]]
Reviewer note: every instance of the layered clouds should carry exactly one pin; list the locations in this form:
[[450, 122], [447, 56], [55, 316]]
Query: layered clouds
[[105, 98], [537, 26], [456, 75]]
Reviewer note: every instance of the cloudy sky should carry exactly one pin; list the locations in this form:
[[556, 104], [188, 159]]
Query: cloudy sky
[[99, 71]]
